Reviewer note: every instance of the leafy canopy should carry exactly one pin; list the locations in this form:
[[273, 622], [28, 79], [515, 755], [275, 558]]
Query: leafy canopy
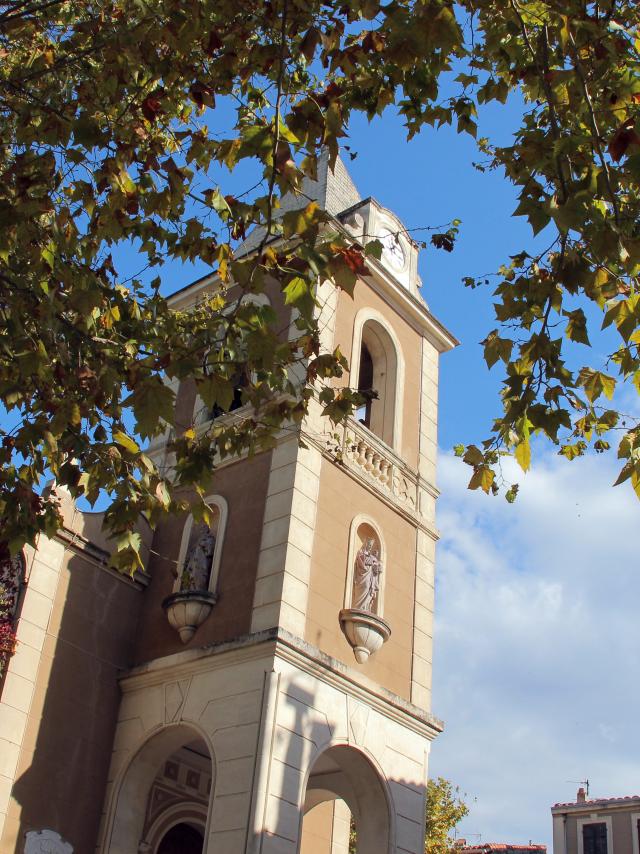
[[107, 111]]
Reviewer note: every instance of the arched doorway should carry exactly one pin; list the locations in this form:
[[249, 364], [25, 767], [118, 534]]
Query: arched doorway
[[168, 784], [182, 838], [343, 780]]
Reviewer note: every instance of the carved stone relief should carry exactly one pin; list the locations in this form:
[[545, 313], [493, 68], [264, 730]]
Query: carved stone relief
[[175, 695], [358, 721]]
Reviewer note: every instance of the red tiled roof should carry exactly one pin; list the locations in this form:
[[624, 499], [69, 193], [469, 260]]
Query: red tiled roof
[[621, 800], [501, 846]]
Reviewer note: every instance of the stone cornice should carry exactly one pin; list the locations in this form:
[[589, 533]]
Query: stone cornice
[[413, 310], [98, 557], [277, 643]]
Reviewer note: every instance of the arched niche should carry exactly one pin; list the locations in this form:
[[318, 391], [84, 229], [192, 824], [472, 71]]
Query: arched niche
[[346, 773], [128, 824], [365, 536], [377, 370], [201, 549]]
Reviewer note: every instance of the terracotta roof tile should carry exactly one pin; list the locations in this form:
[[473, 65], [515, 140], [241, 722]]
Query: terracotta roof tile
[[593, 801], [501, 846]]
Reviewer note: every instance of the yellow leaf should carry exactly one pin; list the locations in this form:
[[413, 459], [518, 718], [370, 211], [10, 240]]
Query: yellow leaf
[[126, 442], [522, 454]]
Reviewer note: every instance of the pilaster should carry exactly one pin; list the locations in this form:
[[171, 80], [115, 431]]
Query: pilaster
[[284, 564]]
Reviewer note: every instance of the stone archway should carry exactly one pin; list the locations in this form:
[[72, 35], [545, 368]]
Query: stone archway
[[344, 773], [137, 807]]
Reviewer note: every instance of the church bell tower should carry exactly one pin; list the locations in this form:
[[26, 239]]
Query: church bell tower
[[280, 688]]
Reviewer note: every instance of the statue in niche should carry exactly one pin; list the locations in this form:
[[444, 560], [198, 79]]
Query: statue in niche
[[197, 565], [46, 842], [366, 582]]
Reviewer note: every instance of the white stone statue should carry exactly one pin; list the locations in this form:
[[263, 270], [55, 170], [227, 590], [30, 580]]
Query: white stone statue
[[197, 566], [366, 582], [46, 842]]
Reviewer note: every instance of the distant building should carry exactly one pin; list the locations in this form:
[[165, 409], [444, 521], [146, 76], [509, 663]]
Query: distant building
[[499, 848], [597, 826]]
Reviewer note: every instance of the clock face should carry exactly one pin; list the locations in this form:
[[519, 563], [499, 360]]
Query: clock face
[[392, 250]]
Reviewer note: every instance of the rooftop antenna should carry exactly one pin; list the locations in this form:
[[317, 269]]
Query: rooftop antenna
[[584, 783]]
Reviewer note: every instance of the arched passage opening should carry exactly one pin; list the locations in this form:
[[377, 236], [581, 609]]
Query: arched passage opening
[[162, 800], [182, 838], [343, 780]]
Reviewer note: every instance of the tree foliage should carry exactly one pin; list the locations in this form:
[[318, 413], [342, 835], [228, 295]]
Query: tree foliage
[[109, 138], [445, 810]]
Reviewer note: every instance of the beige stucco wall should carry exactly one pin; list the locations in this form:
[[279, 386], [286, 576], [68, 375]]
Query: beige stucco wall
[[60, 699], [317, 830], [243, 485], [325, 829], [340, 499]]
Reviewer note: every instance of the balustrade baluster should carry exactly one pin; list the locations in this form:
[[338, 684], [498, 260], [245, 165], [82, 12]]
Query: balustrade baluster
[[375, 465], [369, 458]]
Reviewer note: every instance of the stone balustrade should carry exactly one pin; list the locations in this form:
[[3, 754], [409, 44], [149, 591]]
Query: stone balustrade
[[372, 459]]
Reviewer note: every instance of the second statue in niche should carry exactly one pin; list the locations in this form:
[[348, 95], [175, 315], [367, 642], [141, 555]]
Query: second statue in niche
[[197, 567], [366, 581]]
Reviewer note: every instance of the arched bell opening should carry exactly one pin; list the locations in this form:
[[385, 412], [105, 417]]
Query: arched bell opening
[[377, 367], [344, 790], [168, 783]]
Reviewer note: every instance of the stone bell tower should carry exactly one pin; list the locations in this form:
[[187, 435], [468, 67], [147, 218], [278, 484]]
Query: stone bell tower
[[284, 687]]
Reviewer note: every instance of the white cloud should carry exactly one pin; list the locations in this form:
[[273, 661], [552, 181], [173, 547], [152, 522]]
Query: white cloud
[[536, 667]]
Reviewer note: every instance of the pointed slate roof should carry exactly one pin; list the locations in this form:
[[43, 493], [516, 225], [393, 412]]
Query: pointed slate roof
[[334, 191]]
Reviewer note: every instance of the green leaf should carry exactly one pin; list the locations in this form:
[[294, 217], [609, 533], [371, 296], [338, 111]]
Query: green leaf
[[295, 291], [577, 326], [374, 249], [596, 383], [303, 221], [152, 402], [496, 348]]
